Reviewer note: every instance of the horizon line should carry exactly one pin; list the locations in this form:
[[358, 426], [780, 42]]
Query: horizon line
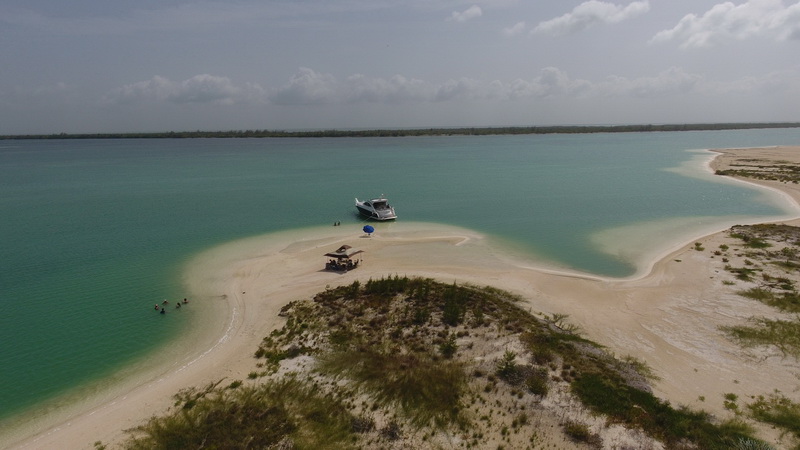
[[415, 131]]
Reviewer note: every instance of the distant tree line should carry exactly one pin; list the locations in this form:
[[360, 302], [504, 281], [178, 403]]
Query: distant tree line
[[472, 131]]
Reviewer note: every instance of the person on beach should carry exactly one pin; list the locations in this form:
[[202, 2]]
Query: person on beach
[[185, 301]]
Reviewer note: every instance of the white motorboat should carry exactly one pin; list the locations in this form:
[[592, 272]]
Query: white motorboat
[[376, 209]]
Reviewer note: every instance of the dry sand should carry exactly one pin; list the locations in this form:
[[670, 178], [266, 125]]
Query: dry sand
[[668, 317]]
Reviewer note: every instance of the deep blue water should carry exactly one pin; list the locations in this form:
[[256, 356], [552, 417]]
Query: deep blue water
[[93, 232]]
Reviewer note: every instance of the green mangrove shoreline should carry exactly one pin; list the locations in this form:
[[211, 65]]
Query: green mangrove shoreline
[[466, 131]]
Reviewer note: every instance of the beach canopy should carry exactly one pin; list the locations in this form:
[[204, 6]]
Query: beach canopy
[[369, 229], [344, 252]]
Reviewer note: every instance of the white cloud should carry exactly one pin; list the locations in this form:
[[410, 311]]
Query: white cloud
[[359, 88], [202, 88], [669, 82], [517, 28], [784, 82], [307, 87], [470, 13], [726, 22], [310, 87], [551, 82], [554, 82], [589, 13], [454, 89]]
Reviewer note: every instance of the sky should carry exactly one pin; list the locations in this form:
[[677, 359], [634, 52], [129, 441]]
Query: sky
[[95, 66]]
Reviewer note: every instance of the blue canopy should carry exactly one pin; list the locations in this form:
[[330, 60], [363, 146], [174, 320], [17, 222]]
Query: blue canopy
[[369, 229]]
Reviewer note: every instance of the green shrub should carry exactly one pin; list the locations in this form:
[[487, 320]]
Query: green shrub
[[448, 347], [537, 382], [782, 334], [507, 366], [751, 444], [253, 417], [633, 407], [779, 411], [579, 432], [424, 389]]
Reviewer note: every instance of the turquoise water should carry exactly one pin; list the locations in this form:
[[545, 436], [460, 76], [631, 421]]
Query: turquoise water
[[94, 232]]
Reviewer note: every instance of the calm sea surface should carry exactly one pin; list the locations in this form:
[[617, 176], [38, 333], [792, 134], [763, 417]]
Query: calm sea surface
[[94, 232]]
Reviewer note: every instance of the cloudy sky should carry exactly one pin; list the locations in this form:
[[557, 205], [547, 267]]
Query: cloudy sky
[[158, 65]]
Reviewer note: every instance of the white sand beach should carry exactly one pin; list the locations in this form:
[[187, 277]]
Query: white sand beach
[[668, 317]]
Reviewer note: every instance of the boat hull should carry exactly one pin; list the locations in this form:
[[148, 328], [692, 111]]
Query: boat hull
[[375, 215], [376, 209]]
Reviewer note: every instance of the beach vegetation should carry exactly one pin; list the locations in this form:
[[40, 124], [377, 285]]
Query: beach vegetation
[[778, 411], [751, 444], [641, 367], [449, 346], [742, 273], [507, 366], [252, 417], [783, 335], [730, 402], [776, 287], [781, 171], [787, 301], [757, 243], [425, 389], [537, 381], [579, 432], [381, 364], [767, 235], [641, 409]]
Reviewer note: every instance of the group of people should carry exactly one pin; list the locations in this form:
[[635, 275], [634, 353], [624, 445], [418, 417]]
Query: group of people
[[347, 264], [336, 224], [163, 307]]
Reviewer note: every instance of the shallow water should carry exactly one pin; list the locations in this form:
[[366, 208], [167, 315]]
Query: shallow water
[[95, 232]]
